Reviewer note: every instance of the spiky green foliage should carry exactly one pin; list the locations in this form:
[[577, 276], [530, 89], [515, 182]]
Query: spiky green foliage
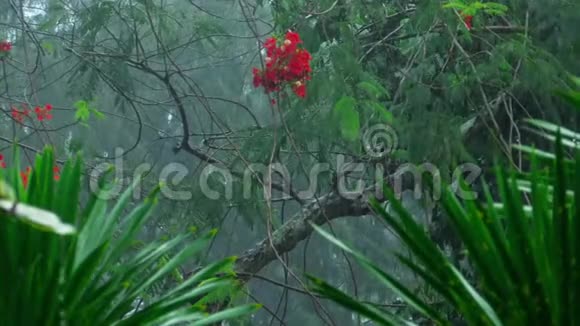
[[524, 249], [92, 274]]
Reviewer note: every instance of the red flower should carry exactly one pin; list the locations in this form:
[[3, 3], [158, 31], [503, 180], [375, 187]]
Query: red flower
[[286, 64], [257, 77], [291, 42], [25, 176], [299, 66], [43, 113], [5, 46], [299, 89], [270, 46], [293, 37], [19, 115], [467, 20], [3, 164], [56, 171]]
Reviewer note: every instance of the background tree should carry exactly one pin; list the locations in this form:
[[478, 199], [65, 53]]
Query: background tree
[[171, 82]]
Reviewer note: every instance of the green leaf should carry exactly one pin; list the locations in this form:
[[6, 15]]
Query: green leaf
[[379, 110], [494, 8], [386, 279], [374, 314], [572, 97], [575, 80], [98, 114], [348, 117], [82, 113], [6, 191], [455, 5], [228, 314], [370, 89], [48, 47]]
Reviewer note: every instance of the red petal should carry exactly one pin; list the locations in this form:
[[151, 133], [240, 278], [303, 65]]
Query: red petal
[[293, 37]]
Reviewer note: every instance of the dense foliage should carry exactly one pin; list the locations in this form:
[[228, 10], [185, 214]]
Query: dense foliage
[[81, 266], [524, 251]]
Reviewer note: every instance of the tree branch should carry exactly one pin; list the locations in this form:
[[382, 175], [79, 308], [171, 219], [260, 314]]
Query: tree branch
[[321, 211], [298, 228]]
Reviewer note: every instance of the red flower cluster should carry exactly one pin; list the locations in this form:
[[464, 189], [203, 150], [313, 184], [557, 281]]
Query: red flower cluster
[[25, 176], [285, 64], [20, 115], [2, 163], [42, 113], [5, 46]]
